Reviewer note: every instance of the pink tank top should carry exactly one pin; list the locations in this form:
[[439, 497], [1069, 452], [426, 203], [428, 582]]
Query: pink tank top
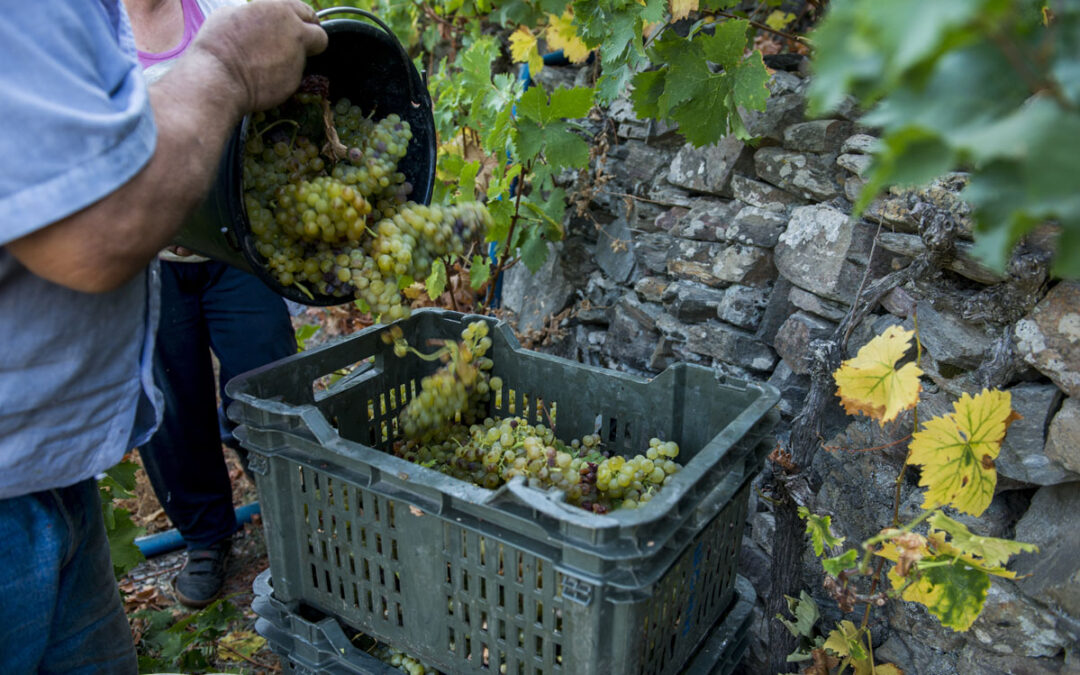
[[193, 19]]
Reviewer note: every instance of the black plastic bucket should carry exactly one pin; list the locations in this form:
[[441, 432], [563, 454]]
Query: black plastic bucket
[[363, 62]]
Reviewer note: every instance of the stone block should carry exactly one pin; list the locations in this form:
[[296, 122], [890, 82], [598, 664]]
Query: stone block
[[634, 164], [812, 253], [614, 250], [534, 297], [794, 337], [781, 111], [1012, 624], [651, 289], [718, 341], [718, 264], [950, 340], [756, 226], [777, 310], [695, 303], [762, 195], [826, 309], [1023, 455], [864, 144], [652, 250], [668, 218], [709, 169], [856, 164], [807, 175], [1063, 437], [706, 221], [1049, 337], [793, 388], [817, 135], [1052, 575], [743, 306]]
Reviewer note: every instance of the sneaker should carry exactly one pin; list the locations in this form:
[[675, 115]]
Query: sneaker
[[200, 582]]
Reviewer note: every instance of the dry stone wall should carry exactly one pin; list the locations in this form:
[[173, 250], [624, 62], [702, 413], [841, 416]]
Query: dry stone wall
[[739, 257]]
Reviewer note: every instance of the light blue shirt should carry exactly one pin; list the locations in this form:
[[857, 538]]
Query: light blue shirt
[[76, 389]]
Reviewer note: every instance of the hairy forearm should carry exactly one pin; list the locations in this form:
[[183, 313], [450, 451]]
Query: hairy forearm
[[196, 106]]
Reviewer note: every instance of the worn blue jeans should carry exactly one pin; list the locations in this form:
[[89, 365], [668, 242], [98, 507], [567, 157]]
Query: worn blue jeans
[[60, 610]]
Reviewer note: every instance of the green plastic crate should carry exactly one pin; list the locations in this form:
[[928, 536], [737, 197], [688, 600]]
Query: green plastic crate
[[511, 580], [309, 642]]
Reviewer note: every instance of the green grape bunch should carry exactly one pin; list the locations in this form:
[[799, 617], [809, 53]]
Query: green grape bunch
[[445, 427], [336, 219]]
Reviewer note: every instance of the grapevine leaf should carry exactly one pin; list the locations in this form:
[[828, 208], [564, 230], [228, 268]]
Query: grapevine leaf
[[124, 476], [725, 46], [240, 645], [653, 11], [303, 334], [532, 105], [688, 75], [845, 640], [561, 34], [476, 64], [989, 553], [479, 271], [704, 119], [436, 281], [500, 133], [953, 591], [564, 148], [835, 565], [534, 250], [779, 20], [530, 141], [467, 179], [957, 451], [523, 49], [648, 87], [750, 86], [570, 103], [806, 614], [871, 384], [122, 533], [403, 282], [818, 527], [680, 9]]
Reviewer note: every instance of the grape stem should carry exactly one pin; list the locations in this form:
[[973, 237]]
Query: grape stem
[[268, 127]]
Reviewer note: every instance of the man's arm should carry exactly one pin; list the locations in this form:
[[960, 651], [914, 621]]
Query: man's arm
[[244, 59]]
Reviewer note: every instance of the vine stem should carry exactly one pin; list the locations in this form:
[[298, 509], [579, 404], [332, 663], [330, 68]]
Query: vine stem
[[764, 27], [509, 236]]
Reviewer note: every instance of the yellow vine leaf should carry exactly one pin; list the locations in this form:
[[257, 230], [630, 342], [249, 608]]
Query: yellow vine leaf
[[523, 49], [957, 451], [872, 385], [680, 9], [561, 34], [949, 570]]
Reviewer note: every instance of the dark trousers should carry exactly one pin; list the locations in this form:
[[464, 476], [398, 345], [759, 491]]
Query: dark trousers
[[206, 306]]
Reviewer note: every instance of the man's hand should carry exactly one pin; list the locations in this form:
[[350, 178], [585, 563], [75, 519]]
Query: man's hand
[[244, 59], [262, 46]]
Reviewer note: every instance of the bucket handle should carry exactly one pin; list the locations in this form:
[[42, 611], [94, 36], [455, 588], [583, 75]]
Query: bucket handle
[[401, 49]]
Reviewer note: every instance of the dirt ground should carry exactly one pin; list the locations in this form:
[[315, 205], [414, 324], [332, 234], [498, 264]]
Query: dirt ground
[[149, 585]]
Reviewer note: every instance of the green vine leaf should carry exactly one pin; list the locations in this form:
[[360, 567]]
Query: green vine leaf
[[818, 527], [436, 281], [845, 561], [479, 271]]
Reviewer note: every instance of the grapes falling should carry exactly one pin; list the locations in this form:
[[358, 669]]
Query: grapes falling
[[446, 428], [337, 219]]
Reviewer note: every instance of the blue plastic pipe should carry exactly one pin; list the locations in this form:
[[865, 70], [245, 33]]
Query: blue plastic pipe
[[170, 540]]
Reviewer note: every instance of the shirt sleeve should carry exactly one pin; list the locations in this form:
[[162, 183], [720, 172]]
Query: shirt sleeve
[[77, 122]]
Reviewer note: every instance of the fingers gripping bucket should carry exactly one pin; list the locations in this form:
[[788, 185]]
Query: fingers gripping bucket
[[365, 63]]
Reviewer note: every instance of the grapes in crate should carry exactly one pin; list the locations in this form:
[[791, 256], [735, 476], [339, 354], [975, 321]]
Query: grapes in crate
[[329, 210], [446, 428]]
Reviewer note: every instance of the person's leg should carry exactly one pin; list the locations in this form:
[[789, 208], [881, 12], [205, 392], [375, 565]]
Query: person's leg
[[58, 591], [183, 459], [249, 326]]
